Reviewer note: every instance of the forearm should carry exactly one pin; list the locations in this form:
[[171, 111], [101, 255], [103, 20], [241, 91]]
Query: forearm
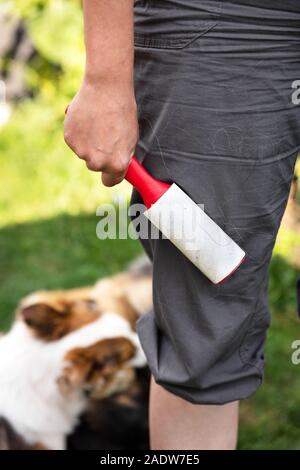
[[101, 126], [108, 29]]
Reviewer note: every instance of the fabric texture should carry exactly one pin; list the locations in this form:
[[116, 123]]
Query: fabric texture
[[214, 85]]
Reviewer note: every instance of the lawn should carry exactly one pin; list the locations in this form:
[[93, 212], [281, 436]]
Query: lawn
[[48, 240]]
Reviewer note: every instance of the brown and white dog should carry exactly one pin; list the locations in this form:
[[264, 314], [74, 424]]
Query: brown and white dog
[[66, 350]]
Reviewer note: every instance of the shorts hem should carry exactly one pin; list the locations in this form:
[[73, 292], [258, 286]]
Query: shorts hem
[[194, 394], [182, 393]]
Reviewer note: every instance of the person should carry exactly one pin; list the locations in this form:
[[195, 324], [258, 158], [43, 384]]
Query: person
[[203, 91]]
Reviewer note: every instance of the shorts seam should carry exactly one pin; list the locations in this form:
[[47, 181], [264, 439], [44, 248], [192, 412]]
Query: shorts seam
[[242, 352]]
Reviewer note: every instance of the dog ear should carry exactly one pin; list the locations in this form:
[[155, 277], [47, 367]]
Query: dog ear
[[51, 315], [99, 362], [47, 322]]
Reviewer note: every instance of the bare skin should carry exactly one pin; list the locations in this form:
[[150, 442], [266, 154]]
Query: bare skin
[[176, 424], [101, 127]]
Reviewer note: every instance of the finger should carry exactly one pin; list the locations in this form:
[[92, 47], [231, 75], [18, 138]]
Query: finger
[[93, 165], [109, 179]]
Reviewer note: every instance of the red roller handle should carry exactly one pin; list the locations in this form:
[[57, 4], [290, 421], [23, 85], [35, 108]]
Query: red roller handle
[[150, 188]]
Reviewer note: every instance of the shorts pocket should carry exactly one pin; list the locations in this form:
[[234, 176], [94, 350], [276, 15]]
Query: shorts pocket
[[159, 26], [161, 42]]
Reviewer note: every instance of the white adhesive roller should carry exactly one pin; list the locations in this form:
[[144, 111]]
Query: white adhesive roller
[[186, 225]]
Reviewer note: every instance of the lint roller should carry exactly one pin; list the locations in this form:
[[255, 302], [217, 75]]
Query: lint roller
[[186, 225]]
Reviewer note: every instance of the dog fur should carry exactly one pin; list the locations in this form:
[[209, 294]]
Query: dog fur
[[66, 350]]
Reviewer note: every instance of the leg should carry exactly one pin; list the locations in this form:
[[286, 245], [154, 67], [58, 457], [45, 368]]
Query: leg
[[217, 119], [176, 424]]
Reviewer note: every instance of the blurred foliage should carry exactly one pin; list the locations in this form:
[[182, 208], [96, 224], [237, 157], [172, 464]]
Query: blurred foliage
[[40, 176], [56, 30], [282, 287]]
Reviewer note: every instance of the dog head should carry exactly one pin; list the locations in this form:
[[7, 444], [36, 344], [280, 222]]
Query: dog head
[[52, 315], [101, 368]]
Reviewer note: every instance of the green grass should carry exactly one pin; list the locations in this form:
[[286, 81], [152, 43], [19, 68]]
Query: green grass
[[47, 240], [58, 253], [271, 419]]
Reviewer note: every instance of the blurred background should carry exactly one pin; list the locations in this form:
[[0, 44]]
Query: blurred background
[[48, 201]]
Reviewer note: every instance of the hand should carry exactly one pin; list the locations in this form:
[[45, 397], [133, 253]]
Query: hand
[[101, 127]]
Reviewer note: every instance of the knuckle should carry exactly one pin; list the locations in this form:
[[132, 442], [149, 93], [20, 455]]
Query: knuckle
[[119, 166], [81, 153], [92, 164], [68, 138]]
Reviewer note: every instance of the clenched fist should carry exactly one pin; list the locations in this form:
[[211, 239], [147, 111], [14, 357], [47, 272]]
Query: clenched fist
[[101, 127]]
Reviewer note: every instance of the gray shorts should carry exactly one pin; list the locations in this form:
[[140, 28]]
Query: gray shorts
[[214, 86]]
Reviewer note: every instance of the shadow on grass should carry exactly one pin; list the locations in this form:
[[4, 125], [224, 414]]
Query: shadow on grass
[[59, 253]]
